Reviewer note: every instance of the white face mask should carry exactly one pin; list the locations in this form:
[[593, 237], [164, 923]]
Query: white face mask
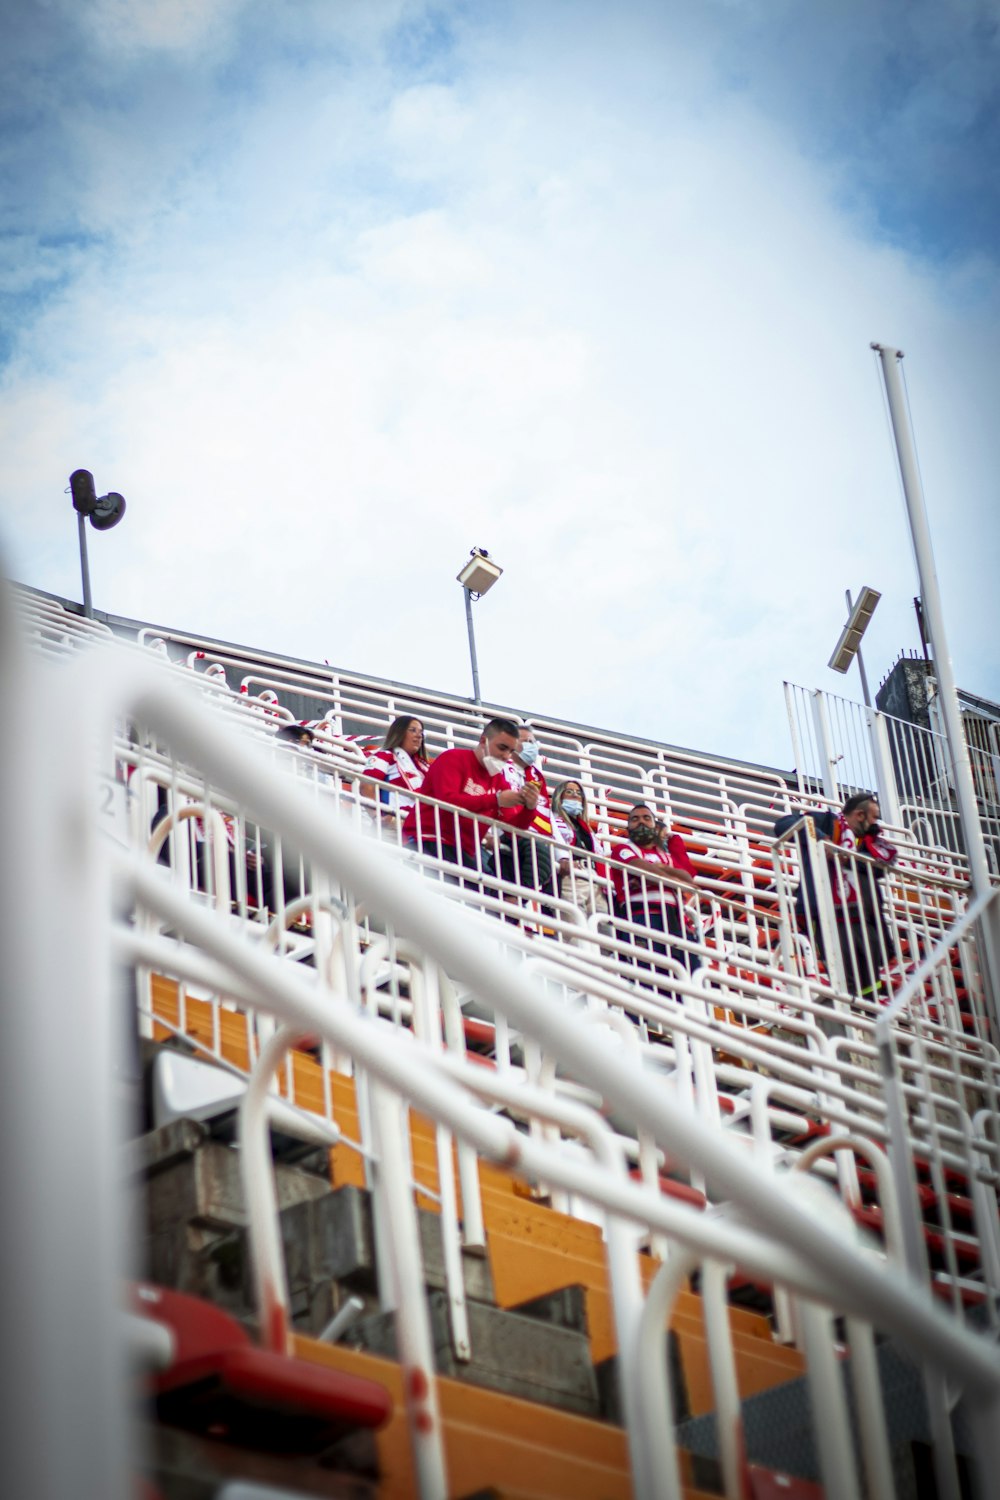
[[493, 765]]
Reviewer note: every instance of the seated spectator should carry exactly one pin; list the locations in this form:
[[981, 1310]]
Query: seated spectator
[[471, 782], [581, 879], [400, 767], [528, 861], [650, 892], [295, 734], [864, 936]]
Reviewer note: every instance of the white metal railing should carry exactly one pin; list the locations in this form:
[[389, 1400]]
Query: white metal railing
[[609, 951], [415, 1076], [744, 984], [841, 747], [489, 961], [378, 1052], [566, 1043]]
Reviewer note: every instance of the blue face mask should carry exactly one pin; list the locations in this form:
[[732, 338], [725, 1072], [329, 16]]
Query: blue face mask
[[572, 806], [528, 752]]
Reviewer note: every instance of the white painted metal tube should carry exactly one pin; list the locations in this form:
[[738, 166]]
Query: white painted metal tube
[[623, 1266], [415, 1347], [257, 1173], [831, 1426], [728, 1411], [930, 595], [653, 1375], [455, 940], [823, 897], [215, 839], [473, 1226], [451, 1247], [832, 1144], [789, 1251], [416, 1351], [914, 985], [65, 1246], [870, 1409], [342, 1320]]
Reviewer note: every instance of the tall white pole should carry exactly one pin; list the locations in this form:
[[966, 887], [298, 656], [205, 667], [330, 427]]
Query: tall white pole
[[88, 603], [472, 645], [930, 594]]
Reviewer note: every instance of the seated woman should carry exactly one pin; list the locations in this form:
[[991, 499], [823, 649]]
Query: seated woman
[[581, 879], [400, 767]]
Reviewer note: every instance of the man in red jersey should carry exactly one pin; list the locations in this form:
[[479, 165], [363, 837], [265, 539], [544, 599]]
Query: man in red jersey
[[473, 782], [650, 891], [522, 860]]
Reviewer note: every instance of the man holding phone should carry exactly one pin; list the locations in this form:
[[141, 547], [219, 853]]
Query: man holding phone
[[865, 940]]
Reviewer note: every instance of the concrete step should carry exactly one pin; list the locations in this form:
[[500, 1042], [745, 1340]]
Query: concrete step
[[329, 1253], [194, 1219], [511, 1352]]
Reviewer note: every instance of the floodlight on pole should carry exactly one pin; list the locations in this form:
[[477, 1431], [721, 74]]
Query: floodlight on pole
[[477, 577], [849, 645], [103, 512]]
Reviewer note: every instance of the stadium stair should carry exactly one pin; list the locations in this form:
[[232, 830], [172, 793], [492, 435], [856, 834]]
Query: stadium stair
[[539, 1305]]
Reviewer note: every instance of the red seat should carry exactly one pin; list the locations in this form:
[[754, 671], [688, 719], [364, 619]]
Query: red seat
[[674, 1189], [766, 1484], [220, 1385]]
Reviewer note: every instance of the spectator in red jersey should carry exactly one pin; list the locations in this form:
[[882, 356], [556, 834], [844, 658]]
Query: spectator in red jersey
[[866, 941], [649, 893], [528, 861], [581, 880], [473, 782], [400, 766]]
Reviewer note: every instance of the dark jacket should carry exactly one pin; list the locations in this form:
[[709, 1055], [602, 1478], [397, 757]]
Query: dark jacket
[[872, 844]]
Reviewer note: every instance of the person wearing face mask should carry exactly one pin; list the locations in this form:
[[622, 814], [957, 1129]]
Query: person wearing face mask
[[581, 880], [528, 861], [649, 891], [471, 781], [866, 942]]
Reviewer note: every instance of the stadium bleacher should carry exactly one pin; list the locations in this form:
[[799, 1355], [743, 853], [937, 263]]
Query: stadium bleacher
[[467, 1202]]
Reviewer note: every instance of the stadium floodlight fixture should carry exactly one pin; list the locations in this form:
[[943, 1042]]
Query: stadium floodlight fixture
[[857, 623], [480, 572], [477, 577], [103, 512]]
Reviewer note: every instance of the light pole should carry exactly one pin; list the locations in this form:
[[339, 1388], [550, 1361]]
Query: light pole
[[965, 791], [104, 512], [849, 646], [477, 577]]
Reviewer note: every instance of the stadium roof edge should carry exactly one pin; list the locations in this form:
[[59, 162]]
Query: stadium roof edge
[[123, 625]]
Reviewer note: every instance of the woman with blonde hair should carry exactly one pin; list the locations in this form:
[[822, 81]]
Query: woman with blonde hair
[[582, 878]]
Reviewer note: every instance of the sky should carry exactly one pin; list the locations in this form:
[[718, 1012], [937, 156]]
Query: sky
[[334, 290]]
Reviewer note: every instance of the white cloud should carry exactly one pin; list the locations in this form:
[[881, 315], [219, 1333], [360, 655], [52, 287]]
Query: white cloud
[[156, 25], [614, 331]]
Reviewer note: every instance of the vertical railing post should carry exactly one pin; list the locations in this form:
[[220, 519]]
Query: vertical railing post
[[415, 1345], [888, 793], [791, 708], [823, 894], [933, 612], [64, 1417], [828, 760]]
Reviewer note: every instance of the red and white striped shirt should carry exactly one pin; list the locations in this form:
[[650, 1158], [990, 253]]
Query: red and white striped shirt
[[400, 772], [675, 856]]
